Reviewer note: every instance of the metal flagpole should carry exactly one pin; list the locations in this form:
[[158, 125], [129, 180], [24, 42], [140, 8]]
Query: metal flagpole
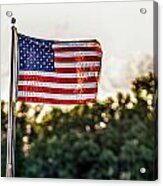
[[10, 164]]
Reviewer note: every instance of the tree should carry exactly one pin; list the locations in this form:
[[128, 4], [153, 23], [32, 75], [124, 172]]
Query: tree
[[107, 140]]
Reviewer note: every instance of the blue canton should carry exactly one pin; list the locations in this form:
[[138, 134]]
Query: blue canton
[[35, 54]]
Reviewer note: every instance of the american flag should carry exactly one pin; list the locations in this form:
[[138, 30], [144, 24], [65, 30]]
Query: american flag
[[58, 72]]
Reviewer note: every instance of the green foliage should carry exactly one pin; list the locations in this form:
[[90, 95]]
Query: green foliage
[[108, 140]]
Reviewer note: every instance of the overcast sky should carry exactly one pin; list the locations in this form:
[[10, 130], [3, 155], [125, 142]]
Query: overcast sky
[[124, 33]]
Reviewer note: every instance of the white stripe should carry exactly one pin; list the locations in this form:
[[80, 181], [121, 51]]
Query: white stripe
[[76, 44], [37, 73], [56, 96], [57, 85], [78, 64], [77, 54], [60, 75]]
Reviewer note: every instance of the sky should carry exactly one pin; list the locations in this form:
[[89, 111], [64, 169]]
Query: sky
[[125, 34]]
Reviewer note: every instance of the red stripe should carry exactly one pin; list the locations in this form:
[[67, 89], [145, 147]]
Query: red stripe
[[72, 49], [74, 70], [77, 59], [55, 101], [88, 42], [57, 80], [57, 90]]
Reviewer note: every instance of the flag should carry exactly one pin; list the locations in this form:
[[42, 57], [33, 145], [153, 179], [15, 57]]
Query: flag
[[58, 72]]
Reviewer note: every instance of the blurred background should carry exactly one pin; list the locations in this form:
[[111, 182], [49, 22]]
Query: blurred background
[[111, 139]]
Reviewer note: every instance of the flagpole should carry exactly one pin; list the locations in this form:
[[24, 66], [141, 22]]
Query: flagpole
[[10, 162]]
